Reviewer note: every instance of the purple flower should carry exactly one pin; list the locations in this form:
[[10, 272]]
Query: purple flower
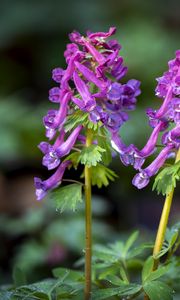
[[129, 155], [117, 143], [70, 70], [118, 70], [175, 134], [49, 122], [172, 137], [44, 146], [88, 102], [170, 79], [151, 143], [57, 74], [71, 50], [168, 88], [54, 94], [90, 76], [86, 85], [169, 113], [52, 157], [42, 187], [115, 91], [94, 52], [75, 37], [142, 179], [99, 36], [113, 121], [54, 118]]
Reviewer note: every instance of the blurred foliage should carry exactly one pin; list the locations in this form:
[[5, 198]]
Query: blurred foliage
[[122, 270], [19, 122], [48, 237]]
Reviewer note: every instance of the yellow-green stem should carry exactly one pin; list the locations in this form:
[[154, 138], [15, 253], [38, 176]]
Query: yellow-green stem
[[163, 223], [88, 216], [162, 226]]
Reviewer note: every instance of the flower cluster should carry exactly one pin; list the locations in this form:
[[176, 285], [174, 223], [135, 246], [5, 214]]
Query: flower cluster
[[90, 83], [168, 89]]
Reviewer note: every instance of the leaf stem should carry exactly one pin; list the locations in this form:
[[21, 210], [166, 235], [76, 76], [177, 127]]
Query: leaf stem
[[88, 221], [163, 223], [74, 181]]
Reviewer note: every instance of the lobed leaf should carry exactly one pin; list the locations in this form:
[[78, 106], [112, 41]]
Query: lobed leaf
[[91, 155], [67, 197], [77, 118], [101, 175], [166, 179], [103, 143], [74, 158]]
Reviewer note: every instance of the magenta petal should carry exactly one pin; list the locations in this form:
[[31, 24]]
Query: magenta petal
[[101, 35], [89, 75], [89, 102], [95, 53], [57, 74]]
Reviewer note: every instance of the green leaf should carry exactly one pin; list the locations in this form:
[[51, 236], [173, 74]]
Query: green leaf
[[74, 158], [158, 273], [113, 279], [91, 155], [166, 179], [171, 236], [6, 295], [171, 241], [124, 290], [93, 126], [77, 118], [109, 271], [103, 142], [157, 290], [18, 276], [123, 274], [147, 268], [135, 251], [67, 197], [101, 175], [38, 290], [104, 253], [69, 275], [133, 237]]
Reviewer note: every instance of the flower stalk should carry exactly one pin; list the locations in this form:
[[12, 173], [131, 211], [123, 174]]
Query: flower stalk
[[88, 222], [163, 223]]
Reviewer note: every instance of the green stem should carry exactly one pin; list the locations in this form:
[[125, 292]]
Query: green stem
[[88, 216], [162, 226], [163, 223]]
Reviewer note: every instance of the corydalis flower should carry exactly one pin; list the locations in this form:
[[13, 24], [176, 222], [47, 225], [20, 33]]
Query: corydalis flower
[[54, 153], [142, 179], [42, 187], [168, 89], [89, 84], [97, 60]]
